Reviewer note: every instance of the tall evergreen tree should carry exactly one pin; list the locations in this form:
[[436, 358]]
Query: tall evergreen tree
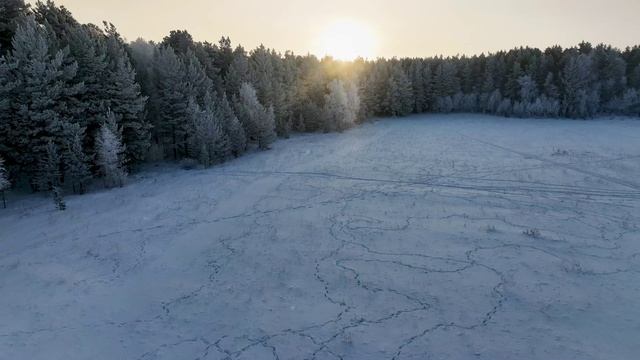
[[580, 97], [259, 120], [49, 164], [43, 98], [340, 107], [111, 152], [232, 127], [238, 72], [76, 162], [4, 182], [171, 101], [10, 12], [210, 144], [399, 92], [123, 97]]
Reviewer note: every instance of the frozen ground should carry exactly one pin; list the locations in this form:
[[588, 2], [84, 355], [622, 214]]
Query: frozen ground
[[402, 239]]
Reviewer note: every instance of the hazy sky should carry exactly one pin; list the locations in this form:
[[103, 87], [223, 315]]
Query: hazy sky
[[401, 27]]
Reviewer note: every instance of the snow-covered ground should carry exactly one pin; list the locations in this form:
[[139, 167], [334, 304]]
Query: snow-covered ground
[[401, 239]]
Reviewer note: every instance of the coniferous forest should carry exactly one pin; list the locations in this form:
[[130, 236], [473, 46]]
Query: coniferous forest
[[79, 105]]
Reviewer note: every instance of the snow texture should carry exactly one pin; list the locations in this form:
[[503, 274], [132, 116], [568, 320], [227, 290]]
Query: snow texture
[[430, 237]]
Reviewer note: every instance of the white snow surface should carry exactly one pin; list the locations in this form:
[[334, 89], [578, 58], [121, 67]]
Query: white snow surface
[[399, 239]]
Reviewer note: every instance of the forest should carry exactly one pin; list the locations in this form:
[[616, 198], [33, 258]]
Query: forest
[[80, 105]]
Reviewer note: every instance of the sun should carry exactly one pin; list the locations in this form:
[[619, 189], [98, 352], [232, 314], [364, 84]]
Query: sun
[[347, 40]]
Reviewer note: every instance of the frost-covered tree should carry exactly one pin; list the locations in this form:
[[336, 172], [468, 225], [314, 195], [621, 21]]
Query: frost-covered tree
[[400, 93], [271, 78], [7, 85], [232, 127], [494, 101], [111, 152], [76, 161], [58, 198], [124, 98], [353, 101], [445, 79], [238, 72], [179, 40], [258, 121], [4, 182], [170, 104], [10, 12], [48, 175], [209, 143], [528, 89], [88, 50], [341, 106], [581, 99], [43, 97]]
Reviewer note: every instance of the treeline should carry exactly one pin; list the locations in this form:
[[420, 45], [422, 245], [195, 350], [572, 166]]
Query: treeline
[[78, 103], [579, 82]]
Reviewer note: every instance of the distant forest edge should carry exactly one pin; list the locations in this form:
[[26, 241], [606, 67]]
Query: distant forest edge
[[79, 103]]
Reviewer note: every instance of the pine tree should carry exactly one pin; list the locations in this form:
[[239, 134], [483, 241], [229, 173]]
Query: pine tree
[[528, 89], [171, 101], [417, 72], [58, 198], [512, 89], [445, 79], [266, 122], [209, 142], [76, 162], [238, 72], [111, 152], [353, 101], [335, 108], [124, 98], [179, 40], [4, 182], [43, 98], [581, 99], [232, 127], [10, 11], [88, 49], [259, 122], [400, 93], [7, 86], [550, 88], [49, 163], [341, 107]]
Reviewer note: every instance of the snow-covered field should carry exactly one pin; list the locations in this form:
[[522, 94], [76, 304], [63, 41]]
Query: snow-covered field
[[433, 237]]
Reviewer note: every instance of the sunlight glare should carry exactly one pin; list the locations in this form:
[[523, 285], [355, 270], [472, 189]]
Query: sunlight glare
[[347, 40]]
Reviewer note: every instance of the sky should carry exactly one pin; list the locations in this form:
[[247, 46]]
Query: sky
[[401, 28]]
